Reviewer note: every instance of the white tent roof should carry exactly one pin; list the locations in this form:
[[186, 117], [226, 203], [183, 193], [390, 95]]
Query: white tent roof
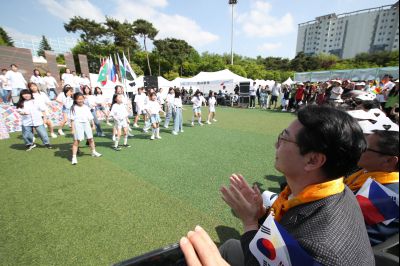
[[289, 82], [164, 83], [215, 77]]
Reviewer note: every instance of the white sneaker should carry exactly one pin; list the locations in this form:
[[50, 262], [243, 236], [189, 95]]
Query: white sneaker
[[215, 120], [174, 133], [113, 138], [130, 134], [182, 131], [201, 124], [135, 125], [54, 136], [33, 139], [74, 161], [145, 130], [166, 126], [192, 124], [96, 154], [152, 137], [61, 132], [208, 122]]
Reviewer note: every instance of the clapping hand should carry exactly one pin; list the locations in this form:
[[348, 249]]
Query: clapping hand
[[245, 201], [200, 250]]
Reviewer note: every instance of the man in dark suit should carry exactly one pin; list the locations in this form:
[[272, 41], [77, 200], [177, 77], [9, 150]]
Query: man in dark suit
[[313, 153]]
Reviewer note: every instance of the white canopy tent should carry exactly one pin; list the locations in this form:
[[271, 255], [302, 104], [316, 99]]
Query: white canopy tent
[[205, 81], [288, 82]]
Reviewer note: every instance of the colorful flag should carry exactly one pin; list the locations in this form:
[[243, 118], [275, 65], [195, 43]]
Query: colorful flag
[[274, 246], [112, 72], [122, 68], [103, 72], [378, 203], [128, 68], [377, 90]]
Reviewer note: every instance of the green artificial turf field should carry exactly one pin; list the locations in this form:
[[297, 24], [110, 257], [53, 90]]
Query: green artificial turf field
[[125, 203]]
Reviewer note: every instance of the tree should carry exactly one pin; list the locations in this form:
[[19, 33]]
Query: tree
[[122, 33], [43, 46], [60, 59], [145, 30], [5, 39], [91, 31], [175, 51]]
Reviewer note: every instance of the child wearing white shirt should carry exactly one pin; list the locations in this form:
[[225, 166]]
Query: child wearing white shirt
[[90, 101], [101, 104], [177, 114], [197, 101], [43, 100], [31, 112], [169, 105], [211, 107], [140, 99], [121, 120], [81, 119], [65, 98], [153, 109]]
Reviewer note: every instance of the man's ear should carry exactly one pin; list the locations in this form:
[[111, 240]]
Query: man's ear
[[314, 161], [392, 163]]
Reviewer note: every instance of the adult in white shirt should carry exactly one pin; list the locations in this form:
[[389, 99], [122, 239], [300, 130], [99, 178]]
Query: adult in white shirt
[[51, 84], [16, 81], [336, 92], [5, 90], [275, 91], [67, 78], [38, 80], [253, 93], [387, 86]]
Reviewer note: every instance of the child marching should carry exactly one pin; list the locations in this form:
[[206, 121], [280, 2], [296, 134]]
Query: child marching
[[121, 120], [65, 98], [153, 109], [32, 113], [81, 121], [177, 113], [198, 100], [211, 107]]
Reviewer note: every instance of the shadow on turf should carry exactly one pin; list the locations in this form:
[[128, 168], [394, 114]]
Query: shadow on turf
[[278, 179], [225, 233]]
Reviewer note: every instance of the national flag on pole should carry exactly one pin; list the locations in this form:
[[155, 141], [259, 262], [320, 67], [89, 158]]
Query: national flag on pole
[[122, 68], [274, 246], [378, 203], [103, 72], [112, 72], [128, 67]]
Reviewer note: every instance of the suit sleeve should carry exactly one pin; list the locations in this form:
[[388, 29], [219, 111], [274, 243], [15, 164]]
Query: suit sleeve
[[245, 239]]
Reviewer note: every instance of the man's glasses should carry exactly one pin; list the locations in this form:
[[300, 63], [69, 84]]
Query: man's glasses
[[380, 152], [282, 138]]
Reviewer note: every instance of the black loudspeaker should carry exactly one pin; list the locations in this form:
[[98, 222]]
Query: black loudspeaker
[[244, 100], [150, 82], [244, 87]]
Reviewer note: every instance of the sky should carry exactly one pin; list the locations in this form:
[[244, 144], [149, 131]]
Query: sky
[[261, 27]]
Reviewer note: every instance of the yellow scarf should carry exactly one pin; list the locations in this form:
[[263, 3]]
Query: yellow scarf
[[309, 194], [356, 180]]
